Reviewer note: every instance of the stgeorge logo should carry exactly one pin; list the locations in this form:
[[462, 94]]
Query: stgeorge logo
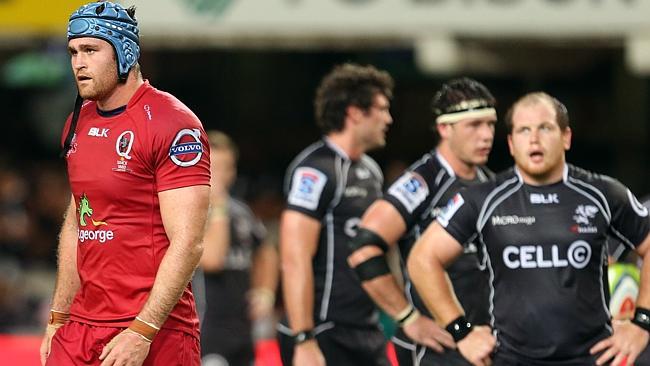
[[186, 149], [544, 199], [512, 220], [537, 256], [96, 132], [86, 212]]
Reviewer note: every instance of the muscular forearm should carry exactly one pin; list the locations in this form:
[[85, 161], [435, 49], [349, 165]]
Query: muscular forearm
[[298, 288], [643, 299], [432, 282], [387, 294], [173, 275], [67, 279]]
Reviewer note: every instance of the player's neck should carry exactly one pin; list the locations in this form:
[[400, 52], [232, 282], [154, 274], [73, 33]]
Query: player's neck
[[121, 94], [347, 143], [461, 168], [554, 175]]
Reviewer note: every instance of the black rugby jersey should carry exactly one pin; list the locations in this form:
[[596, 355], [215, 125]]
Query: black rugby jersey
[[323, 183], [547, 257], [226, 325], [420, 194]]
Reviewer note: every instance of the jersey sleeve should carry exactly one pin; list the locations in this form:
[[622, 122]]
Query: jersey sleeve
[[181, 153], [629, 221], [459, 217], [310, 189], [410, 195]]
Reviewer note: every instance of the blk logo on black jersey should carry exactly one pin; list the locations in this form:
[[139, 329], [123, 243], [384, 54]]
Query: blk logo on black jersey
[[540, 198]]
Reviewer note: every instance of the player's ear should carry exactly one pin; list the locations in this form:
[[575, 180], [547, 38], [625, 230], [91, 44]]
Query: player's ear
[[566, 137]]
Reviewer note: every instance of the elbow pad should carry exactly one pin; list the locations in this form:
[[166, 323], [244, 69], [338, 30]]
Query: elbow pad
[[373, 267], [366, 237]]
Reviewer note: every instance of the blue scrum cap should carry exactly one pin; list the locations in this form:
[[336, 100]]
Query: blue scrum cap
[[112, 23]]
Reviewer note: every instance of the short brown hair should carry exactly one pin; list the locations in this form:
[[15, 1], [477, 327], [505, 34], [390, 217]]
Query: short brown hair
[[561, 113]]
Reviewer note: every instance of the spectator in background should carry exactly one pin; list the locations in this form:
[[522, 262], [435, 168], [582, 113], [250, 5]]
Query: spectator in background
[[240, 268]]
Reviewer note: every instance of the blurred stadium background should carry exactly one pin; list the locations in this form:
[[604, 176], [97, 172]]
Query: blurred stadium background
[[249, 68]]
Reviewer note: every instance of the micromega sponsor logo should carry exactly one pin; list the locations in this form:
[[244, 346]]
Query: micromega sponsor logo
[[512, 220]]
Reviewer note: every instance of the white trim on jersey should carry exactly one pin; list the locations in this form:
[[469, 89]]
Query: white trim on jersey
[[603, 257], [445, 164], [336, 148], [489, 207], [372, 165], [341, 168]]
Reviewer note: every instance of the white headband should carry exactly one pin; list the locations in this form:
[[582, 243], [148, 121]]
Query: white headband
[[451, 118]]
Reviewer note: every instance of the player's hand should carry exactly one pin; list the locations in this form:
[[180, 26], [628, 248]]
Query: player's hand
[[46, 343], [426, 332], [624, 346], [125, 349], [308, 354], [477, 346]]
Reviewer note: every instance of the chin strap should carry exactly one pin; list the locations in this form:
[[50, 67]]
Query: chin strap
[[73, 126]]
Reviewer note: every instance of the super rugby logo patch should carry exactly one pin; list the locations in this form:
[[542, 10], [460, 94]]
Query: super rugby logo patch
[[306, 187], [186, 149]]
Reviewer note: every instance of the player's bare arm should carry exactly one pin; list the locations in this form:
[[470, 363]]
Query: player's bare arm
[[216, 240], [264, 280], [383, 220], [298, 243], [426, 265], [67, 278], [630, 339]]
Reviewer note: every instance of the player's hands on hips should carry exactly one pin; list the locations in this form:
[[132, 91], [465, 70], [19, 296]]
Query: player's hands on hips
[[46, 343], [125, 349], [426, 332], [624, 346], [308, 354], [477, 346]]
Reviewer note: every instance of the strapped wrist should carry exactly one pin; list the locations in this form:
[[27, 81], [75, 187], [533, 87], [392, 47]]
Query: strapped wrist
[[459, 328], [145, 329], [407, 316], [58, 318], [642, 318], [303, 336]]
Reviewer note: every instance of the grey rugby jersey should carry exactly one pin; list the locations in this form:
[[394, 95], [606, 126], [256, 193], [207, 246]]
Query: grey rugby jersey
[[547, 257], [419, 195], [324, 183]]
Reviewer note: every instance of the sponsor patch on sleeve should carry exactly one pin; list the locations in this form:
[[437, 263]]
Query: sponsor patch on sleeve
[[186, 149], [448, 212], [410, 189], [306, 187]]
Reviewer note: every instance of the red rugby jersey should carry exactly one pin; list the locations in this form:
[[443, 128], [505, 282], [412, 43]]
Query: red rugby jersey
[[116, 167]]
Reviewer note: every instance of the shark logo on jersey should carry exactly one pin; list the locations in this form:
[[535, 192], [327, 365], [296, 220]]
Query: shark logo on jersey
[[582, 217], [640, 209], [410, 189], [362, 173], [306, 187]]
